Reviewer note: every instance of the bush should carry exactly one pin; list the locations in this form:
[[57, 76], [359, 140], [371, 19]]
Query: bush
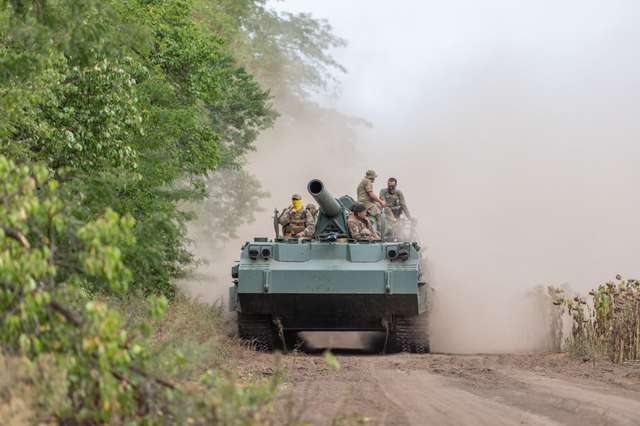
[[130, 106], [608, 325]]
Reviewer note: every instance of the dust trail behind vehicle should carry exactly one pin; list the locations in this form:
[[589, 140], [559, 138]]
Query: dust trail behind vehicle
[[519, 158]]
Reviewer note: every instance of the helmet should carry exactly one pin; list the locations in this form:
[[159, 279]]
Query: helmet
[[371, 174], [296, 197], [311, 206]]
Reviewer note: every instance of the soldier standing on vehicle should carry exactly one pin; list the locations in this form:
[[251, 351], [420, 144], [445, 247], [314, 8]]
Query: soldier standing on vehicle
[[394, 199], [359, 224], [371, 201], [296, 221]]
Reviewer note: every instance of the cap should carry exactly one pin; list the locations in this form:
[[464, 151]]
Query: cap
[[371, 174], [358, 207], [296, 197]]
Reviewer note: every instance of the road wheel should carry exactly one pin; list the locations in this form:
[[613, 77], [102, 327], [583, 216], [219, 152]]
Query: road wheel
[[293, 339], [257, 330], [410, 334]]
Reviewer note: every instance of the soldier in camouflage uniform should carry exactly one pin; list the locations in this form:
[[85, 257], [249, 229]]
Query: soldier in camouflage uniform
[[359, 224], [313, 210], [394, 199], [297, 222], [371, 201]]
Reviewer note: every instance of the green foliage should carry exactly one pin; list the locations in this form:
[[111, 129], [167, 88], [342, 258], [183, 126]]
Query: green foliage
[[232, 200], [101, 357], [331, 361], [115, 113], [91, 121], [47, 312], [131, 105], [288, 53], [190, 332], [233, 404]]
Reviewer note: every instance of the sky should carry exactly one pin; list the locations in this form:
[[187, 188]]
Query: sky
[[395, 51], [512, 126]]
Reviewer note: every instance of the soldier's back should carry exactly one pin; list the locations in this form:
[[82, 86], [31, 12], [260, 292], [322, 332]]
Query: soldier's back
[[364, 188]]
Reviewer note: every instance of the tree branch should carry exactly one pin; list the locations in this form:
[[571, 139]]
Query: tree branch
[[71, 318], [148, 376], [17, 236], [67, 314]]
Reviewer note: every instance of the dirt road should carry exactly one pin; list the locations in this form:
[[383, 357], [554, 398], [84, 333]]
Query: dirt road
[[435, 389]]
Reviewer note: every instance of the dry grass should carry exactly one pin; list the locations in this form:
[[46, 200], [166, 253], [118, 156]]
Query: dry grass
[[607, 325], [34, 392], [31, 392]]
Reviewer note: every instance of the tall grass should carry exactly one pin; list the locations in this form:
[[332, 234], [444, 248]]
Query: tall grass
[[608, 323], [207, 390]]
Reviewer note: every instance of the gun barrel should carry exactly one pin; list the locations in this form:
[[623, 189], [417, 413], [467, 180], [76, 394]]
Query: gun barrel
[[327, 202]]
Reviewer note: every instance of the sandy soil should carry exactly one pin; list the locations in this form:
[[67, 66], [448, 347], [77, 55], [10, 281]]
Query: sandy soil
[[440, 389]]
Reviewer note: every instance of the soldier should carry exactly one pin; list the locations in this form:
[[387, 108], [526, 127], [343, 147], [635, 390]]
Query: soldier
[[394, 199], [372, 203], [359, 224], [313, 210], [297, 222]]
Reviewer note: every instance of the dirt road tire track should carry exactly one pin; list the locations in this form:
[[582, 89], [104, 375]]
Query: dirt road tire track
[[430, 399], [409, 389]]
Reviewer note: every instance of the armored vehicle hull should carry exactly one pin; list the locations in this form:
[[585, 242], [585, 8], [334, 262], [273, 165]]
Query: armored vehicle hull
[[330, 283]]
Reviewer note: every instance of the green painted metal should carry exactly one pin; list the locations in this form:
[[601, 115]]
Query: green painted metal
[[272, 275]]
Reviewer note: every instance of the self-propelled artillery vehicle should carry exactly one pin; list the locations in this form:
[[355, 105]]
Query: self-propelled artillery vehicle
[[330, 283]]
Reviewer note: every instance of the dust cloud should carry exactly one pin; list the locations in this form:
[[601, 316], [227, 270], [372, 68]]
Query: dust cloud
[[514, 141], [306, 142]]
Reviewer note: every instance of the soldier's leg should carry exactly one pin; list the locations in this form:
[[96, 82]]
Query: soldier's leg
[[392, 227], [390, 223], [375, 221]]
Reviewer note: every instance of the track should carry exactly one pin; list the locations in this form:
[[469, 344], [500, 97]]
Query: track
[[437, 389]]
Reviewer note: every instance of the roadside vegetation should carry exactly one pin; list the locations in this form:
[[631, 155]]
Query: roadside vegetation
[[113, 115], [607, 324]]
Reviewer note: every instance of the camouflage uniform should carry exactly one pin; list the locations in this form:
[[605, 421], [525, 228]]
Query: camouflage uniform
[[361, 229], [313, 210], [294, 222], [395, 203], [364, 188]]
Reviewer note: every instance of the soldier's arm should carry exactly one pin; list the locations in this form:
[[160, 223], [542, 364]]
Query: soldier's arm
[[377, 199], [309, 231], [354, 230], [310, 219], [284, 219], [370, 232], [310, 225], [372, 195], [404, 204]]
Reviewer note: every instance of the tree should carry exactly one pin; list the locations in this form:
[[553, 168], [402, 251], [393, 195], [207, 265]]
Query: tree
[[45, 311], [131, 105], [288, 53]]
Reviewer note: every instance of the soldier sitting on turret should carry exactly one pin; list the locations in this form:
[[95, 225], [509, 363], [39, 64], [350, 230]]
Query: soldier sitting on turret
[[296, 221], [360, 225]]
